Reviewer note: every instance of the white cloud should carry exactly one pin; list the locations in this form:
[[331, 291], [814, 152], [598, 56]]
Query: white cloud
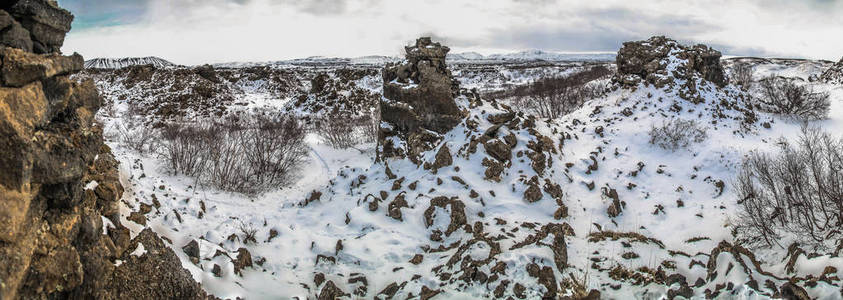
[[207, 31]]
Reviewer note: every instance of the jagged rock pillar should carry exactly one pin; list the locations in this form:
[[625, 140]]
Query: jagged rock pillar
[[418, 102]]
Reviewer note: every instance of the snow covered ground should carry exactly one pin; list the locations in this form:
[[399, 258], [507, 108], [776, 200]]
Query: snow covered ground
[[681, 199]]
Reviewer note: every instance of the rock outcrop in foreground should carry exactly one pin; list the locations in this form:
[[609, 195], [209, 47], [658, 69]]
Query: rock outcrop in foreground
[[60, 230], [418, 101], [34, 25]]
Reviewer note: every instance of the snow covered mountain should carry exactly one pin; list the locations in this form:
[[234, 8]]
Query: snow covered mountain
[[117, 63]]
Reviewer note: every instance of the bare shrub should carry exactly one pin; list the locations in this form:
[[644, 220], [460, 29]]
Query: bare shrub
[[135, 135], [225, 158], [343, 131], [185, 147], [274, 149], [247, 156], [556, 97], [677, 133], [337, 131], [249, 233], [798, 192], [786, 97], [742, 76]]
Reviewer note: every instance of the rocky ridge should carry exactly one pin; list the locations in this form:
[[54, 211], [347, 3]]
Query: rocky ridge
[[61, 234]]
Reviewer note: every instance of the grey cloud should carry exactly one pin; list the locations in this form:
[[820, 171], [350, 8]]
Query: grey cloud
[[321, 7], [600, 30]]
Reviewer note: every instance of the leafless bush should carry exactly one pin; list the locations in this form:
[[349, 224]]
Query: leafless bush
[[555, 97], [246, 156], [135, 135], [185, 147], [798, 191], [783, 96], [337, 131], [343, 131], [677, 133], [274, 149], [742, 76], [249, 233]]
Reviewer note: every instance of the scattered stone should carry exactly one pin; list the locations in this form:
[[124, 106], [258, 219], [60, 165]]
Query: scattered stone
[[243, 260], [137, 217], [272, 234], [396, 205], [533, 193], [318, 279], [417, 259], [192, 251], [443, 158], [427, 293], [458, 218], [389, 291], [330, 292], [498, 150]]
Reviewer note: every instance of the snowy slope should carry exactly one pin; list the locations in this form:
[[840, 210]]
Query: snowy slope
[[337, 224], [117, 63]]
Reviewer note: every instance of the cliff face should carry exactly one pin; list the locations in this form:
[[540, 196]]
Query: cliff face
[[60, 229]]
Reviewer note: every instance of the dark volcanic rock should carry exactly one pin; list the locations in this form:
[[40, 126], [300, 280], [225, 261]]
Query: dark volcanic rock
[[834, 74], [243, 260], [458, 218], [418, 100], [21, 68], [191, 249], [330, 291], [52, 244], [46, 22], [13, 34], [166, 278], [648, 60]]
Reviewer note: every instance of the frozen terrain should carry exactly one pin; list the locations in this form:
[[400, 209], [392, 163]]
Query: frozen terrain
[[336, 223]]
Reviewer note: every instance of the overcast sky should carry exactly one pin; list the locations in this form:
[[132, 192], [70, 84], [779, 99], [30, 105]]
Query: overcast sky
[[210, 31]]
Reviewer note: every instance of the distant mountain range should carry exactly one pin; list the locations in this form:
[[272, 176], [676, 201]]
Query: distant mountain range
[[117, 63], [533, 55], [464, 57]]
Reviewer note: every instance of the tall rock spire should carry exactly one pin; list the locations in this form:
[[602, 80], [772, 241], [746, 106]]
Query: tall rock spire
[[418, 101]]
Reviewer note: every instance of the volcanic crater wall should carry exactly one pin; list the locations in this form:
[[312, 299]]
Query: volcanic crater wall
[[60, 229]]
